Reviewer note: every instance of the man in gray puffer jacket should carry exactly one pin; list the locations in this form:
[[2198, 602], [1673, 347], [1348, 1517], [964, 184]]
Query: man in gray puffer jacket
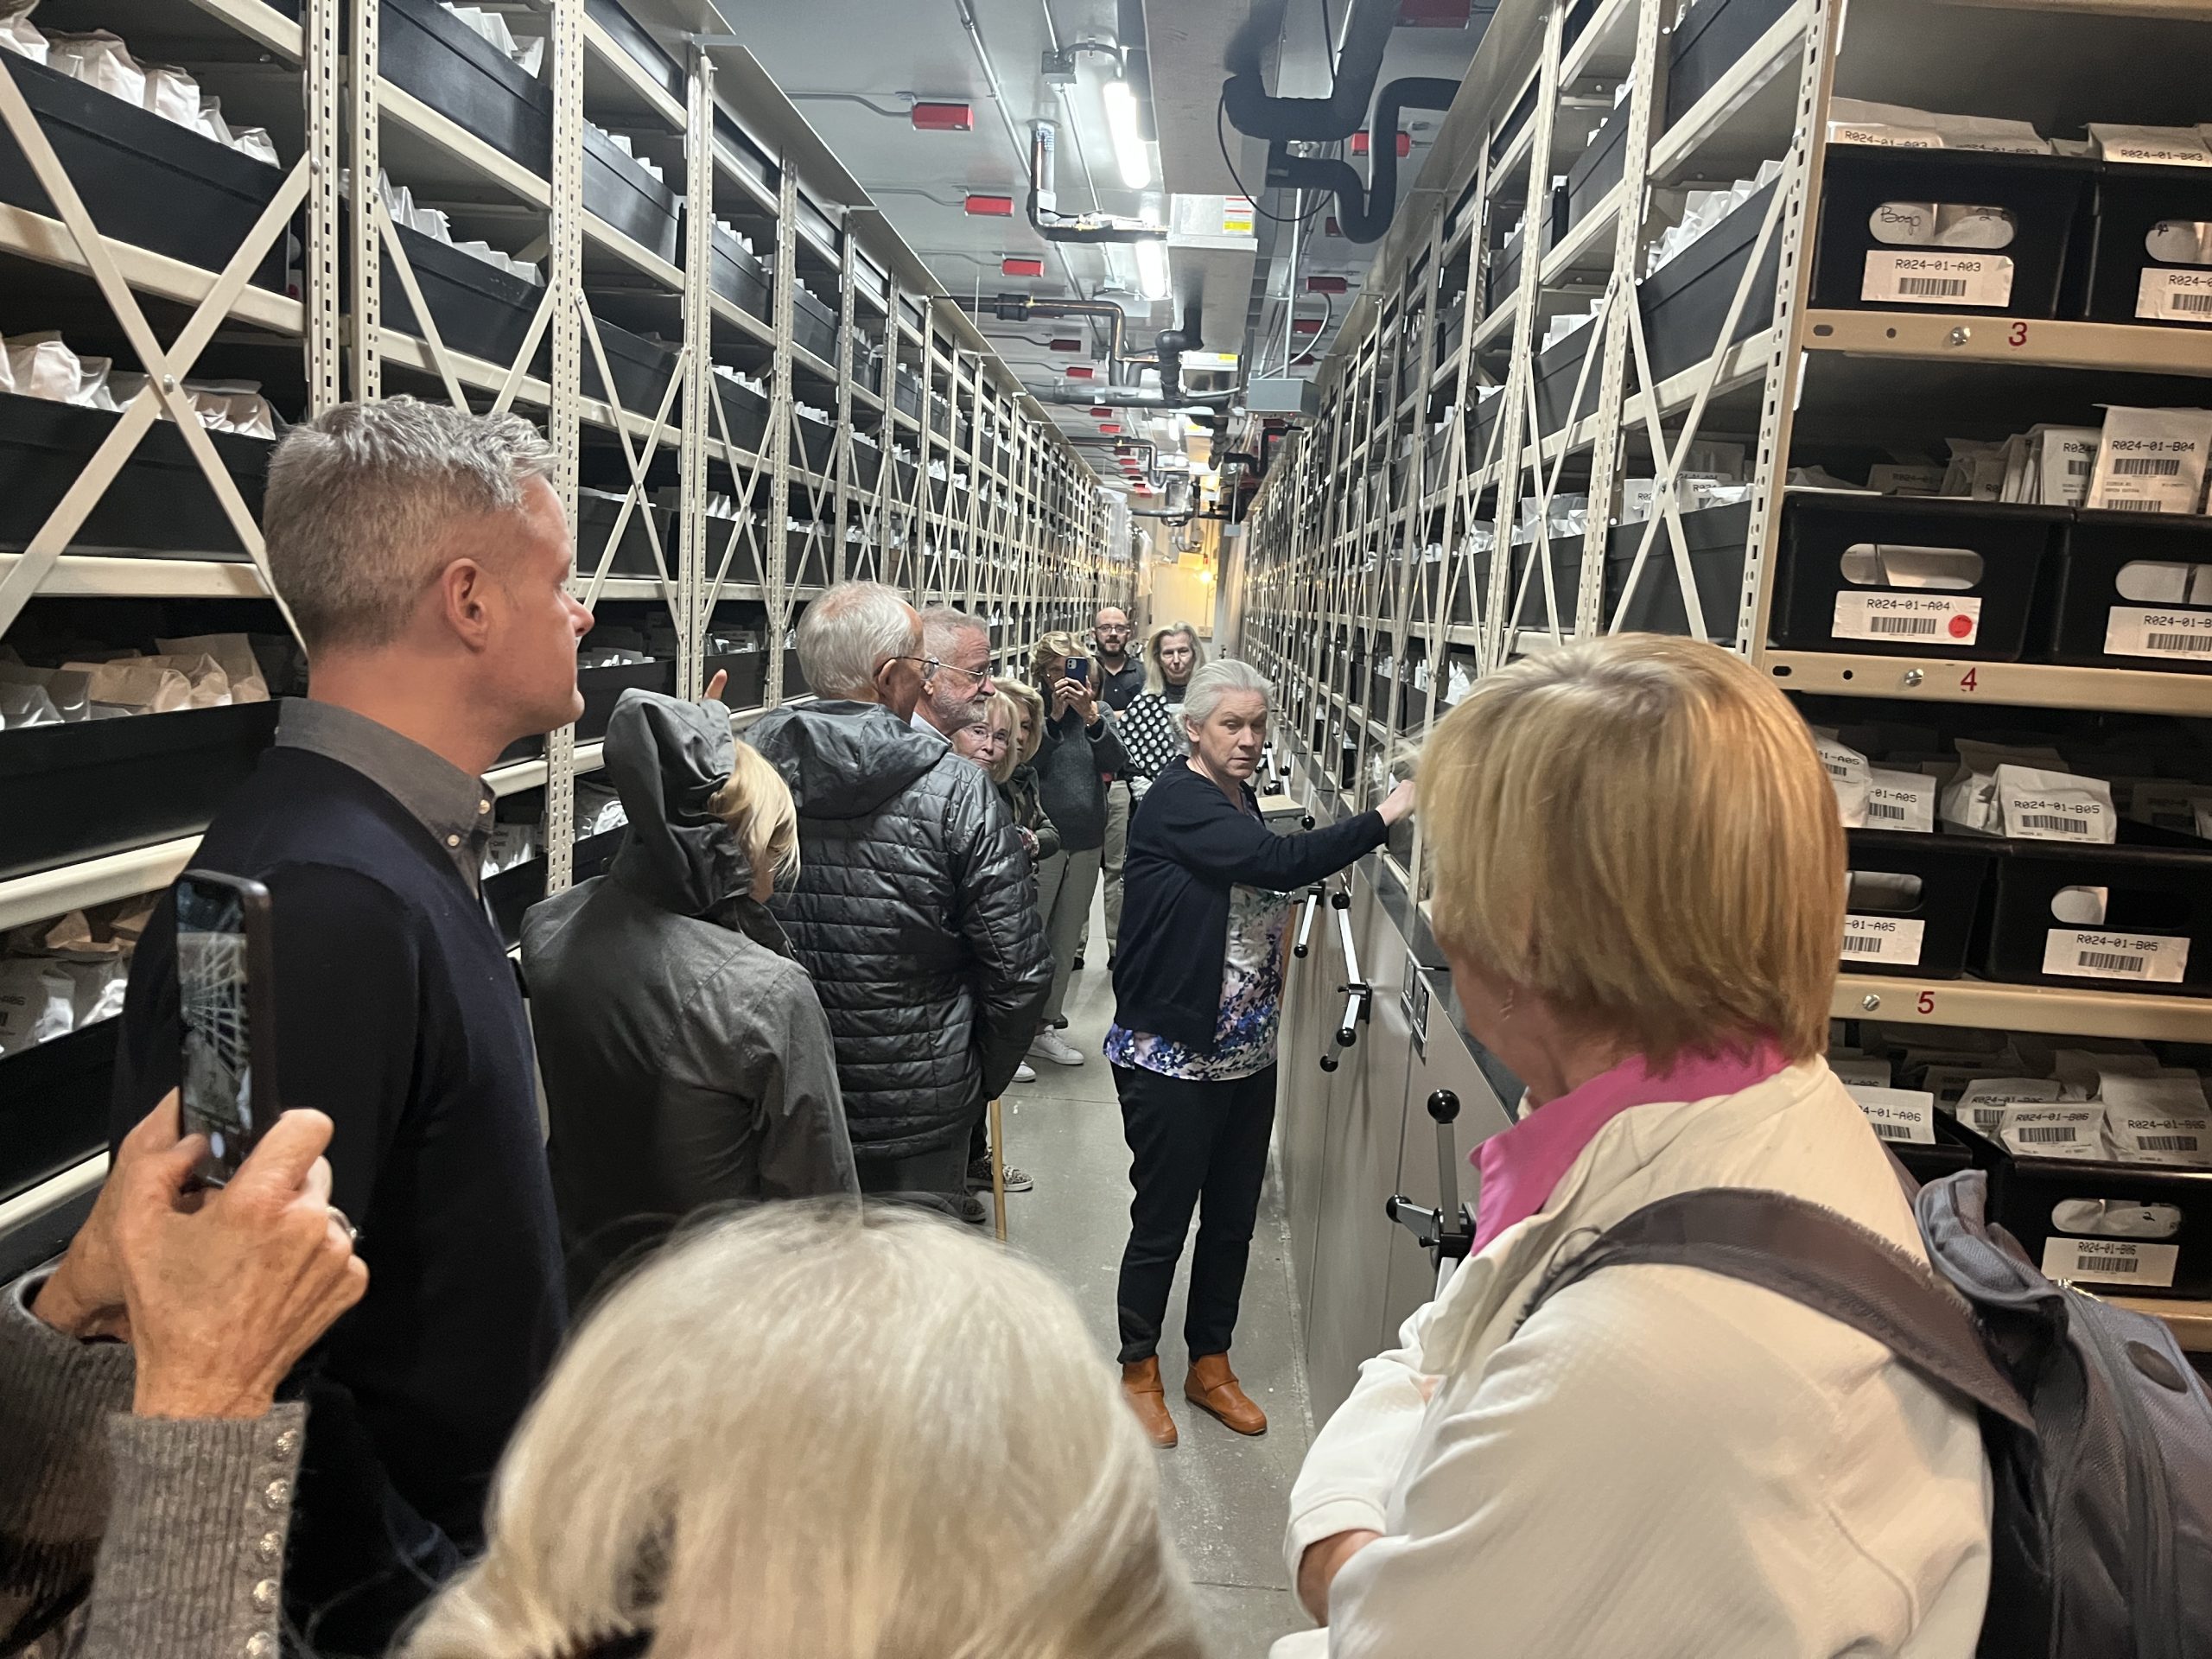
[[912, 907]]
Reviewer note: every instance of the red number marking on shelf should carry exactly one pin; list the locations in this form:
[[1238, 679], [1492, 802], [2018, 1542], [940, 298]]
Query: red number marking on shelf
[[1971, 680], [2018, 337], [1927, 1003]]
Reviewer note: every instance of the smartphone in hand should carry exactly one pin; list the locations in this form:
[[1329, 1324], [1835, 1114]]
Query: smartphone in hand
[[225, 994], [1078, 669]]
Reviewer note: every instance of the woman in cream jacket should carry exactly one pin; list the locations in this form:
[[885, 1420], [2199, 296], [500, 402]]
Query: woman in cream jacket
[[1660, 1461]]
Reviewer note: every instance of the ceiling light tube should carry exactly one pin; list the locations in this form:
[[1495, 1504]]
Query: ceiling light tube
[[1153, 280], [1130, 149]]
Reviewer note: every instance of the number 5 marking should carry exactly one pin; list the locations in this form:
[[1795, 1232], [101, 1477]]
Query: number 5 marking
[[1926, 1004]]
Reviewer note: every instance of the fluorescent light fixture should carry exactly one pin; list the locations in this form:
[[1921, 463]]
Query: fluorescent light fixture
[[1151, 268], [1129, 148]]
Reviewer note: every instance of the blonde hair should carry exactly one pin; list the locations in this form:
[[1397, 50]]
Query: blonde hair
[[756, 803], [1004, 707], [1155, 677], [1638, 830], [1057, 646], [1032, 702], [816, 1432]]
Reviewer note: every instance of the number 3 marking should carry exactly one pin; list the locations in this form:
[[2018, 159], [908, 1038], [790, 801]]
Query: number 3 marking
[[2018, 336]]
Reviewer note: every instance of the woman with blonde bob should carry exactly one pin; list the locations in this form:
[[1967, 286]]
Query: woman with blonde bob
[[805, 1433], [1639, 885], [687, 1060]]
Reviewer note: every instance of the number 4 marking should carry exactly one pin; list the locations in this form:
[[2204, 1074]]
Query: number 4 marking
[[1971, 680]]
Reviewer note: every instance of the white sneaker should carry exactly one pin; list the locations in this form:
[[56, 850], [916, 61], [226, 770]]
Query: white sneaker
[[1025, 1072], [1051, 1046]]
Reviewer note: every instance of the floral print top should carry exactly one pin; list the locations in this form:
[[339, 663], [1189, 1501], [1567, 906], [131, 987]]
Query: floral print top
[[1251, 1002]]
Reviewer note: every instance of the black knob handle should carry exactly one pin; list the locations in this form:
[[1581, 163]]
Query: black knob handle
[[1340, 901], [1328, 1062], [1444, 1106], [1305, 820]]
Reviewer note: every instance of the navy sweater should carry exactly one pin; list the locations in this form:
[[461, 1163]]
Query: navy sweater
[[397, 1014], [1188, 846]]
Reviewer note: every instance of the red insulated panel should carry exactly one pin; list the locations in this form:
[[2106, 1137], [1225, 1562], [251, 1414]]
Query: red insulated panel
[[1063, 346], [1330, 227], [1101, 410], [1081, 371], [1305, 325], [991, 206], [942, 117], [1326, 285], [1022, 267], [1110, 428]]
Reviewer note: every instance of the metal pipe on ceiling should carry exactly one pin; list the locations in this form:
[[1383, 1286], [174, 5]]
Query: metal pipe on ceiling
[[965, 10]]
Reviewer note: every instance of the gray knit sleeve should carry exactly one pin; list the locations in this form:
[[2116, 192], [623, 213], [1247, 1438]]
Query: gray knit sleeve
[[56, 1395], [192, 1566]]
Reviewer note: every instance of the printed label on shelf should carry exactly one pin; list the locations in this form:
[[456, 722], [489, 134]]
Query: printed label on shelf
[[1983, 279], [2167, 295], [1985, 1100], [2073, 1132], [2111, 1261], [1872, 1070], [1892, 940], [2181, 1138], [1897, 1114], [2151, 957], [1920, 619], [2140, 631], [1883, 137], [1901, 800]]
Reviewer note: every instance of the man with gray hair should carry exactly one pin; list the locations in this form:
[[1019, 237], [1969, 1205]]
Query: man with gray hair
[[425, 556], [957, 685], [911, 906]]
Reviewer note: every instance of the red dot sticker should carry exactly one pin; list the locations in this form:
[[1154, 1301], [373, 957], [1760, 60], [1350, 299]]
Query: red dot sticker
[[1961, 626]]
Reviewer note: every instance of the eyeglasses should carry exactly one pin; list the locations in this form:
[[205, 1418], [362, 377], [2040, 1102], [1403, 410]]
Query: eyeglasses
[[974, 675]]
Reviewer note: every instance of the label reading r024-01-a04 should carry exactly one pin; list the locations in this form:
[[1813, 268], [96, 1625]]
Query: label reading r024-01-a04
[[1976, 279], [1908, 619]]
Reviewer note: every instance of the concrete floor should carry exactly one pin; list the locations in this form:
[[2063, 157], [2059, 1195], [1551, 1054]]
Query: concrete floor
[[1224, 1496]]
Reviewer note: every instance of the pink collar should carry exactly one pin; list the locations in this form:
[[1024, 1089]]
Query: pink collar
[[1522, 1165]]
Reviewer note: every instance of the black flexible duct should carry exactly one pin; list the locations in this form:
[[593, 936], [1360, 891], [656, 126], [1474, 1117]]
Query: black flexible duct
[[1020, 307], [1252, 110], [1365, 213]]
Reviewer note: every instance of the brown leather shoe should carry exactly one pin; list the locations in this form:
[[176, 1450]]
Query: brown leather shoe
[[1147, 1397], [1212, 1387]]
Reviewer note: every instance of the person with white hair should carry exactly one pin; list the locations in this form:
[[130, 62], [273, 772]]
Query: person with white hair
[[423, 553], [911, 908], [809, 1432], [957, 683], [1197, 992]]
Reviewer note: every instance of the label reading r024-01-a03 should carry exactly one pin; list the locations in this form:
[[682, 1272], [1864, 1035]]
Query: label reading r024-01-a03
[[1938, 279], [1908, 619]]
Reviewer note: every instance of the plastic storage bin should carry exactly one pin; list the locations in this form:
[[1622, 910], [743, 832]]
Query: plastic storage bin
[[2128, 917], [629, 198], [424, 49], [641, 369], [1913, 901], [746, 412], [1902, 576], [2133, 590], [816, 440], [160, 504], [1708, 43], [2061, 1209], [596, 511], [748, 676], [1557, 370], [53, 1105], [631, 35], [1595, 172], [738, 276], [2152, 260], [1503, 279], [145, 179], [1874, 252], [479, 310], [1686, 300], [813, 325], [107, 785], [1718, 539]]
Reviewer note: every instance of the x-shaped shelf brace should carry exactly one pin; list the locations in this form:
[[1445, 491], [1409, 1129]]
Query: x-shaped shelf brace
[[638, 461]]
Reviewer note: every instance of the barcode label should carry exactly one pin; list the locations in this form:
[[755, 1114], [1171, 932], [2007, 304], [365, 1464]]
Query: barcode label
[[1892, 1131], [1896, 1114], [2044, 1137], [1946, 619], [1886, 809], [1895, 940], [2144, 631], [2121, 1261], [2126, 505], [2166, 1143], [2146, 466], [2053, 821], [1977, 279], [2151, 957], [2077, 466], [2164, 295]]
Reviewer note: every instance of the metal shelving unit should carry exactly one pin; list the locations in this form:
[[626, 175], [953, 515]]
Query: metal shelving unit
[[1015, 528], [1385, 529]]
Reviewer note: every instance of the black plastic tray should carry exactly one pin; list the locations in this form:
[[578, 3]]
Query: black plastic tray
[[2153, 892], [2032, 1188], [107, 785], [2047, 196], [1596, 171], [1710, 41], [1686, 300], [145, 179], [1953, 871], [748, 676], [53, 1105], [424, 49], [1556, 372], [160, 504], [631, 36], [1717, 538], [641, 369], [2130, 202], [746, 413], [1818, 528], [480, 308], [738, 276], [633, 554], [2084, 593], [629, 198]]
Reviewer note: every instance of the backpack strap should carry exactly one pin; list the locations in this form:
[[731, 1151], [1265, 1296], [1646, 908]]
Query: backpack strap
[[1818, 1259]]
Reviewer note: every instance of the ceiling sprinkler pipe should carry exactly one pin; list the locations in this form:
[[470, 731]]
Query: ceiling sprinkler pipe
[[1254, 111], [1044, 217]]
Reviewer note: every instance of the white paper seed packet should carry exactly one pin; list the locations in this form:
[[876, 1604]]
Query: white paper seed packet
[[1848, 771], [1983, 1105], [1872, 1071], [2038, 806], [2058, 1131], [2150, 146], [2152, 461], [2161, 1119], [1907, 1115], [1899, 800]]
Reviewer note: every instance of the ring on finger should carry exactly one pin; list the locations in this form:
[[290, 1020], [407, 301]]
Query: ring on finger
[[353, 1233]]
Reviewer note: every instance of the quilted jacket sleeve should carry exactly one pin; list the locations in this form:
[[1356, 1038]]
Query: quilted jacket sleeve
[[1013, 966]]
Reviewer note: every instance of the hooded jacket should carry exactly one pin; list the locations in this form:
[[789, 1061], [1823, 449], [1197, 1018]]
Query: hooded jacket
[[911, 911], [685, 1057]]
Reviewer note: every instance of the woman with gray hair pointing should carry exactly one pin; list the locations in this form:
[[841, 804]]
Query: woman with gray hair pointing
[[1197, 984]]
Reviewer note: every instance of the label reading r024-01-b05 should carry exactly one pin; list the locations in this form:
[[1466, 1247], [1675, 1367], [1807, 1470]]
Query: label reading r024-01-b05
[[2152, 958]]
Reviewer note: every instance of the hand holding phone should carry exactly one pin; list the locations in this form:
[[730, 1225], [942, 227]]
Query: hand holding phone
[[1078, 669], [225, 996]]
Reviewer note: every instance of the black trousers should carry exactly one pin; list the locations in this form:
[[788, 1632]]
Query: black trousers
[[1200, 1146]]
